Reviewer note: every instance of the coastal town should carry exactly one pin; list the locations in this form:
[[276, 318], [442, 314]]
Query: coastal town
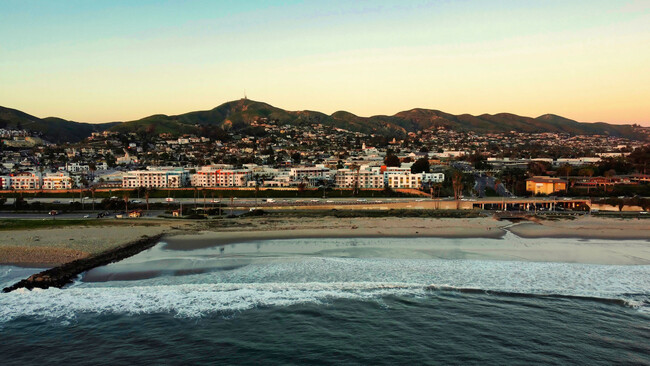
[[325, 182], [268, 155]]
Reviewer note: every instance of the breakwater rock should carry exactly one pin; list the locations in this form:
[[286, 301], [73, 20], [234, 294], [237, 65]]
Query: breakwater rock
[[66, 273]]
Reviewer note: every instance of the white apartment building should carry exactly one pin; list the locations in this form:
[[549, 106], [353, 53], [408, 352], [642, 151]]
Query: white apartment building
[[25, 180], [212, 176], [5, 182], [175, 178], [78, 167], [319, 171], [410, 180], [405, 180], [57, 181], [350, 178], [433, 177]]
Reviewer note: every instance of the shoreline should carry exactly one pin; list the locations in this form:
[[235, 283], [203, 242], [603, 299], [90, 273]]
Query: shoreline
[[47, 248], [209, 238], [66, 273]]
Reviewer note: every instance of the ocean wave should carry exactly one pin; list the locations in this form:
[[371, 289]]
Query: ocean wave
[[187, 300], [271, 282], [636, 301], [196, 300]]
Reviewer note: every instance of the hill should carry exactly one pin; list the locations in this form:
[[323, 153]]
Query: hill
[[238, 115], [51, 129]]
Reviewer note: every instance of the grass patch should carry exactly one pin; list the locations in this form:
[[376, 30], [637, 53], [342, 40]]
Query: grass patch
[[366, 213], [26, 224]]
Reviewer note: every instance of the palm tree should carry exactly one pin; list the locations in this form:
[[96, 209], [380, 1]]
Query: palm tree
[[92, 192], [147, 192], [457, 182], [125, 196], [257, 186], [92, 168]]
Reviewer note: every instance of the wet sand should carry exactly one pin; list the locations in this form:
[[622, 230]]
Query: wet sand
[[603, 240], [586, 228]]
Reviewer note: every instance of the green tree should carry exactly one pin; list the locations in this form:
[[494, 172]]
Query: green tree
[[392, 160], [296, 157], [420, 166]]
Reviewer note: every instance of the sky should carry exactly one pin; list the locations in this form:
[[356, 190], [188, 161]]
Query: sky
[[100, 61]]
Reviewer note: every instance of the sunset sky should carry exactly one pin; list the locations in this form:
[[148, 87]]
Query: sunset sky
[[99, 61]]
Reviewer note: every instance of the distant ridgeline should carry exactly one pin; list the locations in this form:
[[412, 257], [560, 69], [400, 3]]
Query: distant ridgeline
[[243, 114]]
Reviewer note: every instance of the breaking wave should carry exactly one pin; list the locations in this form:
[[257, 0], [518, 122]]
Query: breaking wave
[[289, 281]]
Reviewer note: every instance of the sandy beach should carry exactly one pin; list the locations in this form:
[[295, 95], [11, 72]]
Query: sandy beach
[[328, 227], [49, 247], [543, 241], [587, 227]]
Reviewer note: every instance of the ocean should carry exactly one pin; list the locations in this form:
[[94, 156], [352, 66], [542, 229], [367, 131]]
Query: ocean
[[374, 301]]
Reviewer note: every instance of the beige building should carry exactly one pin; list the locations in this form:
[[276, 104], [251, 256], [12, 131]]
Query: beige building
[[25, 180], [545, 185], [173, 178], [210, 176], [348, 178], [57, 181]]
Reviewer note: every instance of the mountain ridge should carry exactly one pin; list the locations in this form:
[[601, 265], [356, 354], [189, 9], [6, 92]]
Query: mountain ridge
[[238, 114]]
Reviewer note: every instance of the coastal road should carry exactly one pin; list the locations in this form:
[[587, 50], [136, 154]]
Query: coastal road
[[71, 215]]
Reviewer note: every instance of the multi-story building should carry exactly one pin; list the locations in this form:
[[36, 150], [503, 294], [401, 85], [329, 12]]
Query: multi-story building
[[5, 182], [79, 167], [57, 181], [309, 172], [351, 178], [545, 185], [25, 180], [162, 178], [411, 180], [433, 177], [212, 176]]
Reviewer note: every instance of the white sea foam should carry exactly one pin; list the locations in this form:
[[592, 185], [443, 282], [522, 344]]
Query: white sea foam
[[288, 281], [188, 300], [11, 274]]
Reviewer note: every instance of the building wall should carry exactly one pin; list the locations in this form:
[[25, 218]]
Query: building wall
[[155, 179], [299, 173], [346, 178], [405, 180], [210, 177], [544, 187], [25, 181], [57, 181]]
